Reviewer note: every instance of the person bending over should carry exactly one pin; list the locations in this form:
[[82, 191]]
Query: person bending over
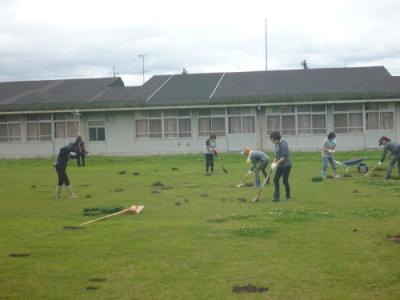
[[259, 161], [65, 153], [390, 146]]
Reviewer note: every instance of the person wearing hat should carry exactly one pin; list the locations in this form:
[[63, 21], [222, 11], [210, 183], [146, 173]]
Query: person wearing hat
[[327, 150], [64, 155], [282, 164], [209, 153], [394, 148], [259, 161]]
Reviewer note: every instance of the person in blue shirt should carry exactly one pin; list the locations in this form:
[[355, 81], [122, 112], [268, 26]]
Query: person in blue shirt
[[259, 162], [394, 148], [328, 149], [282, 164]]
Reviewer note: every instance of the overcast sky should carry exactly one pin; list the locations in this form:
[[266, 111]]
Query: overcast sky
[[45, 39]]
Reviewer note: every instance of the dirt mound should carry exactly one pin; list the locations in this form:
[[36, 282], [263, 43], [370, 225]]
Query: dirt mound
[[19, 254], [97, 279], [394, 238], [73, 228], [248, 289]]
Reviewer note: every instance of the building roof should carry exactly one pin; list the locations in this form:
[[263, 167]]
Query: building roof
[[258, 87]]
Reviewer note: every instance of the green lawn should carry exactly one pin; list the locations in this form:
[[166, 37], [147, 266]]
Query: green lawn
[[197, 240]]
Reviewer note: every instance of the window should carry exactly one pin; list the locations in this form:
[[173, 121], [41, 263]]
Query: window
[[168, 123], [348, 118], [311, 119], [10, 128], [65, 126], [211, 121], [148, 124], [97, 131], [301, 119], [177, 123], [241, 120], [379, 116], [281, 119], [39, 127]]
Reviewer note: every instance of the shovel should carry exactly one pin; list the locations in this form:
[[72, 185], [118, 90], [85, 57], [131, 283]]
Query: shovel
[[257, 197], [241, 184], [135, 209]]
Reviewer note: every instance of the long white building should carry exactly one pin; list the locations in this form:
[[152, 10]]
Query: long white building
[[176, 113]]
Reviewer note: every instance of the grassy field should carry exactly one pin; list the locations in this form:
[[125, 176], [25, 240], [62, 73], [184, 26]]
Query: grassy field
[[199, 236]]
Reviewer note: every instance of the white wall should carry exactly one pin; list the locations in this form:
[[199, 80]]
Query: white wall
[[121, 140]]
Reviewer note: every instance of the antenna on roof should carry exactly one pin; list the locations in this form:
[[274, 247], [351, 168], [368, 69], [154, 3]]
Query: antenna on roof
[[266, 48], [142, 56], [304, 64], [184, 71]]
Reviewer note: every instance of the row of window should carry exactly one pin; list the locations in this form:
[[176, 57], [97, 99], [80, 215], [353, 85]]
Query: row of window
[[347, 118], [289, 120]]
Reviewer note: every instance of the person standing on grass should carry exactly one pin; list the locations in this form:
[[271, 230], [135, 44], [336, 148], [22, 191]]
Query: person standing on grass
[[394, 148], [327, 150], [80, 150], [209, 153], [61, 167], [282, 164], [259, 161]]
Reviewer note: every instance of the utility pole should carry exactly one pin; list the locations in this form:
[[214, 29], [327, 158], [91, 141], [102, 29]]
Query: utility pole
[[266, 47], [142, 56]]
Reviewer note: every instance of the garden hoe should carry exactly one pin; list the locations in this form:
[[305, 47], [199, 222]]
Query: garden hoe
[[372, 170], [241, 184], [134, 209], [221, 161], [266, 180]]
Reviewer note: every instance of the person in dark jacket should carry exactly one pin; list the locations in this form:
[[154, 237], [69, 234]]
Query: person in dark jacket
[[259, 161], [80, 150], [282, 164], [209, 153], [64, 155], [394, 148]]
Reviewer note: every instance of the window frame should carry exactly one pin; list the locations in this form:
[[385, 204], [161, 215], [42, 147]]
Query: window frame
[[251, 113], [39, 122], [294, 111], [89, 126], [7, 123], [211, 117]]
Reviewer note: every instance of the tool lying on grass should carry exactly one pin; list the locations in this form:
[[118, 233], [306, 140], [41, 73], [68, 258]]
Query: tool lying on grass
[[134, 209], [266, 181]]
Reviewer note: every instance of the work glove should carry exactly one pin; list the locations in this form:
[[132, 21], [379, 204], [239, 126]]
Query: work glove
[[273, 166], [379, 163]]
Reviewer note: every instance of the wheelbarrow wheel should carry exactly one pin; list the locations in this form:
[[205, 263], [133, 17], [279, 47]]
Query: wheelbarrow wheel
[[362, 168]]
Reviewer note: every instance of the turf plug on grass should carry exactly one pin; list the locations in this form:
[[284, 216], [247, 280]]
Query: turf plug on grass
[[248, 289], [19, 254]]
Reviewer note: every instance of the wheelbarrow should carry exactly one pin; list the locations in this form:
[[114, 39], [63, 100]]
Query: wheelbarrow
[[362, 167]]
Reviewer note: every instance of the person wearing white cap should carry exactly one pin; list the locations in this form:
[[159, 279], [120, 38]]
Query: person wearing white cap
[[259, 161]]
